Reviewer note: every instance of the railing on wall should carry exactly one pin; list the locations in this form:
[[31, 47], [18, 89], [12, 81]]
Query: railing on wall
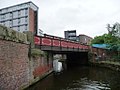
[[48, 40]]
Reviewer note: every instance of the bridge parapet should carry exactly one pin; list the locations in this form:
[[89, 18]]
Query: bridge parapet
[[53, 42]]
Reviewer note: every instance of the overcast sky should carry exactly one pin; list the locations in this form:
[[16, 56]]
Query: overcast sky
[[88, 17]]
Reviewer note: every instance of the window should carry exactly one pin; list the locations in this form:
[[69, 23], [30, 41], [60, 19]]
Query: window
[[14, 8], [19, 6], [0, 11], [15, 14], [18, 28], [11, 15], [19, 21], [26, 11], [72, 34], [25, 27], [4, 23], [22, 12], [2, 17], [6, 9], [19, 12], [7, 23], [7, 16], [26, 20], [10, 23], [22, 20], [3, 10], [15, 22]]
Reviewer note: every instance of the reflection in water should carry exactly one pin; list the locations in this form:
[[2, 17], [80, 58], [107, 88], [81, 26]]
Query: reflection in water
[[82, 78]]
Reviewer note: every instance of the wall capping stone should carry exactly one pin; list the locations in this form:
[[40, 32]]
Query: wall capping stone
[[12, 35]]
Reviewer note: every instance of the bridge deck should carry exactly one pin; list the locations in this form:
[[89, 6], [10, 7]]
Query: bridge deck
[[52, 43]]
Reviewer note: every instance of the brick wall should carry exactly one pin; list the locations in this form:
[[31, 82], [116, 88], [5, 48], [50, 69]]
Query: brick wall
[[40, 66], [14, 65], [18, 69], [98, 52], [85, 39], [31, 20]]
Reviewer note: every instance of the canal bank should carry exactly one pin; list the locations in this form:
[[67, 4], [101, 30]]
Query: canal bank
[[101, 57], [106, 64]]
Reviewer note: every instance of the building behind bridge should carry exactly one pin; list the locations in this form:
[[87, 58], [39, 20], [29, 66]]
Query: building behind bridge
[[21, 17], [84, 39], [71, 35]]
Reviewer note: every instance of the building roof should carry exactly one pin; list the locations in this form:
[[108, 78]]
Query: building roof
[[85, 35], [19, 4], [104, 46], [70, 31]]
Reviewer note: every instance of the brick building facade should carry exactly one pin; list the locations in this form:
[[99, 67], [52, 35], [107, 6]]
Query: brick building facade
[[84, 39]]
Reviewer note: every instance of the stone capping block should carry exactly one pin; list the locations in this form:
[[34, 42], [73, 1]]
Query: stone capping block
[[12, 35], [30, 38]]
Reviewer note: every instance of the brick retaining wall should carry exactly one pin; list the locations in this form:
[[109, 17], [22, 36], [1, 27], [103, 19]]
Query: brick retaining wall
[[18, 70], [14, 67]]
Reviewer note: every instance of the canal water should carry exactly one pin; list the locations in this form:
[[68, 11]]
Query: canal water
[[82, 78]]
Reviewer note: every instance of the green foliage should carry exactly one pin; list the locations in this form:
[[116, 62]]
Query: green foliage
[[114, 29], [30, 38], [105, 39], [109, 39], [36, 52], [98, 40], [9, 34], [46, 55], [112, 39]]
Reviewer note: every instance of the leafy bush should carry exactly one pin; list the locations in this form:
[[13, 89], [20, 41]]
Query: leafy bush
[[36, 52]]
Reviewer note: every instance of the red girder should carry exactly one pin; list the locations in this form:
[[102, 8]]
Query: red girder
[[58, 42], [46, 41], [64, 44], [37, 40]]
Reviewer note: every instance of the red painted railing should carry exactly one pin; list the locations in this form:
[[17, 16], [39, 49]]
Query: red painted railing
[[48, 40]]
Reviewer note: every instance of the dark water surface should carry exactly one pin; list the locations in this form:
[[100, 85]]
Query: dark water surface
[[82, 78]]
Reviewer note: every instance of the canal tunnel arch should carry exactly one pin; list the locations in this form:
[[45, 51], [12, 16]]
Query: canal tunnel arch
[[74, 58], [77, 59]]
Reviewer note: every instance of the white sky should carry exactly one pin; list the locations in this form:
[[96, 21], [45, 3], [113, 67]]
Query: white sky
[[88, 17]]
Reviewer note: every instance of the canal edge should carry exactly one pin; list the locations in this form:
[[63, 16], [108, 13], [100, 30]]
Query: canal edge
[[105, 65]]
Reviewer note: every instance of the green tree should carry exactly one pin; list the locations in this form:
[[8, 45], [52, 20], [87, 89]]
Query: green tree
[[104, 39], [112, 38], [98, 40]]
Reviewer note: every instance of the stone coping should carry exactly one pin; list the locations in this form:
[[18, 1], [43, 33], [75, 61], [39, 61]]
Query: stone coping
[[12, 35]]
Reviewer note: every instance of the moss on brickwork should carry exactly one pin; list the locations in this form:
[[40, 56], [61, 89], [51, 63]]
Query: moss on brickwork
[[36, 52], [12, 35], [30, 38]]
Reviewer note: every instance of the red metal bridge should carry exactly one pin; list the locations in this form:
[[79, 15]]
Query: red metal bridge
[[53, 43]]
